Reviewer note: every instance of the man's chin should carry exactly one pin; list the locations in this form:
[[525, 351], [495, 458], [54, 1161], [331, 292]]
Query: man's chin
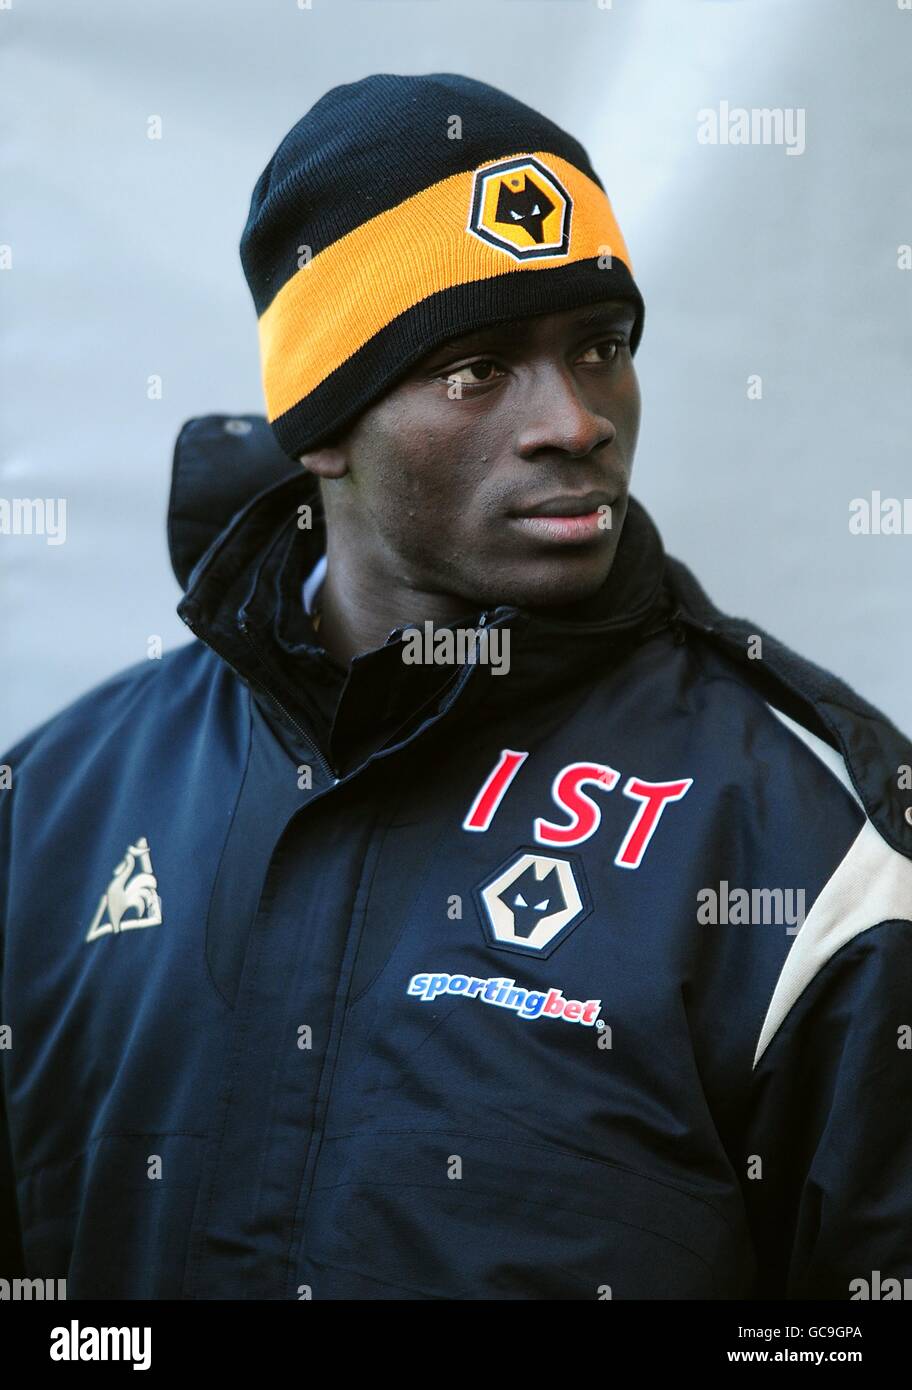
[[565, 582]]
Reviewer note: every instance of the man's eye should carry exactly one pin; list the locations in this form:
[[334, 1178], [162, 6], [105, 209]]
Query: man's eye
[[463, 375], [612, 345]]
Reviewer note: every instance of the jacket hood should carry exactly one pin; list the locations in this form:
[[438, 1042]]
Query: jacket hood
[[221, 463], [237, 553]]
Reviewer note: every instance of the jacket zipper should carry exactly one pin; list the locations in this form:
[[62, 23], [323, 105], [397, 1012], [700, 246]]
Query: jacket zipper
[[306, 734], [308, 737], [315, 1145]]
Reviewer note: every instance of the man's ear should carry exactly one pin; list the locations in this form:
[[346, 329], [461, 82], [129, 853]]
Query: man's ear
[[328, 462]]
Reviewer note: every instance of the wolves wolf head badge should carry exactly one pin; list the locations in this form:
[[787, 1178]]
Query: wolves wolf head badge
[[533, 902], [520, 206]]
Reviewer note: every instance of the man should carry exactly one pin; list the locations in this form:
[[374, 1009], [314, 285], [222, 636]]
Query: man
[[474, 911]]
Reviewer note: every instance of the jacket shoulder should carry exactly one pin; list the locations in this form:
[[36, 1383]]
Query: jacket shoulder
[[875, 752], [136, 699]]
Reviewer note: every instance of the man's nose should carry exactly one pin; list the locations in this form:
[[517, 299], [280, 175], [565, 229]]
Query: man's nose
[[555, 415]]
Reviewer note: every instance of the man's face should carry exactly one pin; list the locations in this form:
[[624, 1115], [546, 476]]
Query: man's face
[[498, 470]]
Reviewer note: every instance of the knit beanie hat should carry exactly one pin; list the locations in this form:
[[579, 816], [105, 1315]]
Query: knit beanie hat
[[403, 211]]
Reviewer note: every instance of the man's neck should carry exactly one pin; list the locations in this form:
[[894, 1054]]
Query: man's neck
[[356, 616]]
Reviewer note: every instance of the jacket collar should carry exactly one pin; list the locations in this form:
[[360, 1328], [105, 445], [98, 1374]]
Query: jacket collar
[[244, 598]]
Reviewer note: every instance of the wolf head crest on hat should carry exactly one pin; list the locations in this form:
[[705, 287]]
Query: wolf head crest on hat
[[521, 207]]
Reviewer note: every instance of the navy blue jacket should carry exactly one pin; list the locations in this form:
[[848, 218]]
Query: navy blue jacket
[[497, 990]]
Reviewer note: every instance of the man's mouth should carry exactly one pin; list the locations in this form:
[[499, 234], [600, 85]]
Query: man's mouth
[[567, 517]]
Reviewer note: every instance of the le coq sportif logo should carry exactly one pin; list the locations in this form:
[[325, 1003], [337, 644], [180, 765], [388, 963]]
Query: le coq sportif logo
[[131, 898]]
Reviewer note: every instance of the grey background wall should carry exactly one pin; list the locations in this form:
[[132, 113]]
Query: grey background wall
[[753, 261]]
